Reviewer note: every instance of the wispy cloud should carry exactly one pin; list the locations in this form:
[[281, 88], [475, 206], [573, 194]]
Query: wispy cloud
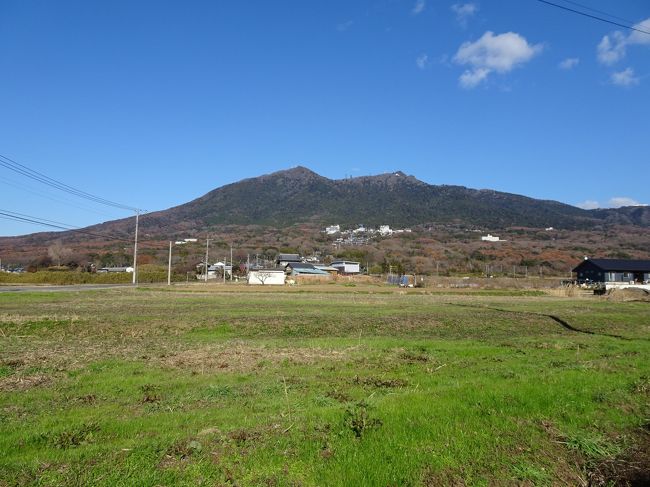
[[493, 53], [613, 47], [422, 61], [464, 11], [618, 201], [419, 7], [472, 78], [588, 205], [569, 63], [624, 78], [343, 26], [615, 202]]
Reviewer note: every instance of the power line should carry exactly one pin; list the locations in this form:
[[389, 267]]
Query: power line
[[24, 187], [585, 14], [20, 217], [598, 11], [42, 178]]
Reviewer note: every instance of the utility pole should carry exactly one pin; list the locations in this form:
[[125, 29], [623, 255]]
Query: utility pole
[[224, 269], [135, 249], [207, 243], [169, 265], [231, 263]]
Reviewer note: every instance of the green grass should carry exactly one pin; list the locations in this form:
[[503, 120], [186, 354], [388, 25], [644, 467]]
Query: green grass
[[206, 385], [146, 274]]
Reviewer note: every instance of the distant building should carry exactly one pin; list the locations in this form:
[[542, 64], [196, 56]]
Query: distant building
[[331, 230], [385, 230], [217, 269], [284, 259], [613, 271], [347, 267], [491, 238], [263, 277]]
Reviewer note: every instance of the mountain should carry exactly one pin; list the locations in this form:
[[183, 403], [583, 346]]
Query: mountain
[[299, 195]]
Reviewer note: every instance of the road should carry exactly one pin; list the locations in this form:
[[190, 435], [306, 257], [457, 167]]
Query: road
[[71, 287]]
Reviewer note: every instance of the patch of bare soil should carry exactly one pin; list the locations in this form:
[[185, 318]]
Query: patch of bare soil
[[445, 478], [630, 470], [238, 357]]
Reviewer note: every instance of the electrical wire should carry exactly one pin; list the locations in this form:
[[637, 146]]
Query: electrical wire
[[598, 11], [21, 217], [23, 187], [42, 178], [585, 14]]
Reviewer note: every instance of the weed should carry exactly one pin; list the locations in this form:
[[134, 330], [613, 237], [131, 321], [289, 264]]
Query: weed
[[358, 420], [220, 392], [150, 393], [592, 446], [641, 385], [414, 357], [74, 437], [379, 383], [338, 395], [525, 471]]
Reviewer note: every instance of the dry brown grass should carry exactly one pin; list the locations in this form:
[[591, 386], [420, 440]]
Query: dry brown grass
[[237, 356]]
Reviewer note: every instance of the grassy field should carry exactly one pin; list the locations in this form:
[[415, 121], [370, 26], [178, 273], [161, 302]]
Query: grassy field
[[329, 385]]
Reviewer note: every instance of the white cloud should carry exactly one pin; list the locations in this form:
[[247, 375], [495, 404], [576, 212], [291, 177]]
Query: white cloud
[[588, 205], [569, 63], [613, 47], [624, 78], [472, 78], [639, 38], [422, 61], [464, 11], [500, 53], [619, 201], [419, 7]]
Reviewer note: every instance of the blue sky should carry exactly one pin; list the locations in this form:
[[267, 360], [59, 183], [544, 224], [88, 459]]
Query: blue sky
[[155, 103]]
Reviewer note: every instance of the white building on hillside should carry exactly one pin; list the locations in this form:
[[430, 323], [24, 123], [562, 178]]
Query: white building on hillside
[[491, 238]]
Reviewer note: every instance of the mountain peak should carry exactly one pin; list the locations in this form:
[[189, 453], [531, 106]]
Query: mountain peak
[[297, 172]]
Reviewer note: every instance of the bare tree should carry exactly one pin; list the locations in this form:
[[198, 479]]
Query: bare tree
[[262, 276], [58, 253]]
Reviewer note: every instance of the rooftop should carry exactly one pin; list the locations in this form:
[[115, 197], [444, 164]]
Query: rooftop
[[624, 265]]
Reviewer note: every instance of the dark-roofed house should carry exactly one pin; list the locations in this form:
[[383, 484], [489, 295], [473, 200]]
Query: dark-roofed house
[[284, 259], [613, 271]]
